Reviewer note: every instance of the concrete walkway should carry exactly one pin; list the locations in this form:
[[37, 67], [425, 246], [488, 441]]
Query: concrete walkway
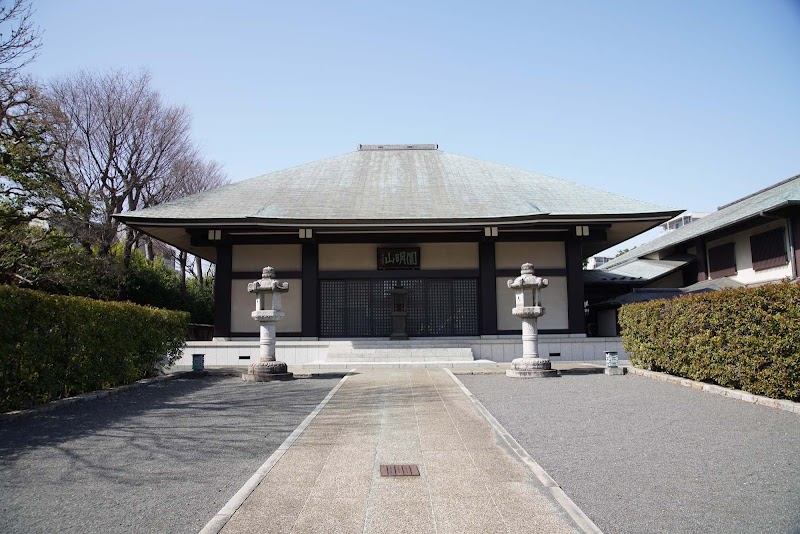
[[470, 480]]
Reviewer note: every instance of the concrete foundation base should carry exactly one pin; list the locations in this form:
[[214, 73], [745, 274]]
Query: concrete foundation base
[[614, 371], [532, 373]]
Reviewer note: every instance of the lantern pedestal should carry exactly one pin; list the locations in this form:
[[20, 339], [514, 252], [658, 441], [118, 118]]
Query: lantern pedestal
[[267, 372], [531, 368]]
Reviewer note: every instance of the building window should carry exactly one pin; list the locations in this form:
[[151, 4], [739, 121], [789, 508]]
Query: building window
[[769, 249], [722, 260]]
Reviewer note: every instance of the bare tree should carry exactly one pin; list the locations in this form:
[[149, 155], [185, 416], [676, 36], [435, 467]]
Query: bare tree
[[26, 185], [19, 39], [119, 144], [192, 175]]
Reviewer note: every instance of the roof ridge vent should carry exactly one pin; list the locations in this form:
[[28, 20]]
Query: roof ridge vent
[[398, 147]]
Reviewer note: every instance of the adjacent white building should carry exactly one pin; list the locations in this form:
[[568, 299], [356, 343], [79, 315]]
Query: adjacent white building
[[751, 241]]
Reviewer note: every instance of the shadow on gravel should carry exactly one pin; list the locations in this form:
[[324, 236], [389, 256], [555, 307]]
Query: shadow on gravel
[[162, 422], [160, 458]]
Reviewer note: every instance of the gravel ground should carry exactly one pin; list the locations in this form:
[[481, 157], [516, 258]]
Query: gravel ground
[[161, 458], [643, 456]]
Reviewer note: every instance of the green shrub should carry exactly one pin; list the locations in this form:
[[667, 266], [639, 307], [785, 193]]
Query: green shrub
[[745, 338], [153, 283], [54, 346]]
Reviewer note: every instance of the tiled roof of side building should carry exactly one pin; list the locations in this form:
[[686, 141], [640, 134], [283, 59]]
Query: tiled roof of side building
[[780, 194], [394, 182]]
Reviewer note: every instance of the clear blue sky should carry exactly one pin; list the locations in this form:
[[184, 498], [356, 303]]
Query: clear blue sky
[[688, 104]]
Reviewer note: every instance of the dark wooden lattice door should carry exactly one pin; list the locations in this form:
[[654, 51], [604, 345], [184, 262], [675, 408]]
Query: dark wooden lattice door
[[435, 306]]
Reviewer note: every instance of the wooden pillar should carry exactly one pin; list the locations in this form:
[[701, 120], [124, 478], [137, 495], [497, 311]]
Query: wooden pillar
[[702, 264], [575, 290], [222, 291], [310, 299], [794, 234], [488, 288]]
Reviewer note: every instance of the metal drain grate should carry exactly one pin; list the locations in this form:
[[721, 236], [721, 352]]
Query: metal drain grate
[[399, 470]]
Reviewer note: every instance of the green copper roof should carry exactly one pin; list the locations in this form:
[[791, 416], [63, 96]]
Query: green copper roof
[[398, 183]]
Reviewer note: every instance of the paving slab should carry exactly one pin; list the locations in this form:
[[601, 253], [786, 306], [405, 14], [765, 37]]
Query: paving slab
[[470, 480]]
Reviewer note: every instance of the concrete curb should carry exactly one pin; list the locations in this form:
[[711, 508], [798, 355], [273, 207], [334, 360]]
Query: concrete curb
[[581, 519], [778, 404], [222, 517], [92, 395]]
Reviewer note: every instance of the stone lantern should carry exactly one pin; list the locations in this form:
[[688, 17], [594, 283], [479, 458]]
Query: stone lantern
[[529, 308], [268, 312]]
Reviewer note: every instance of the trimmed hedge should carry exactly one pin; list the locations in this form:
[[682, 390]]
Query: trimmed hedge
[[746, 339], [54, 346]]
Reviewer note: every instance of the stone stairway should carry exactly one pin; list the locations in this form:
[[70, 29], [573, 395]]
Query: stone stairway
[[371, 354]]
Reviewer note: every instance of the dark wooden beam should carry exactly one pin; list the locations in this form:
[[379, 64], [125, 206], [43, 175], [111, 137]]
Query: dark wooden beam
[[254, 275], [310, 299], [488, 288], [222, 291], [398, 275], [200, 238], [702, 264], [794, 232], [514, 237], [513, 273], [575, 295], [266, 239]]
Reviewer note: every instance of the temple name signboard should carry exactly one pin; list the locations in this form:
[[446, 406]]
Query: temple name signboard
[[398, 258]]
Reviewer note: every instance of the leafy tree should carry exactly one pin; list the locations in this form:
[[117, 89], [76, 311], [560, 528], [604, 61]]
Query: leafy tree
[[157, 284], [38, 258]]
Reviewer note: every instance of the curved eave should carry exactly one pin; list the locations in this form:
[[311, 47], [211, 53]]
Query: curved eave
[[656, 217], [618, 227]]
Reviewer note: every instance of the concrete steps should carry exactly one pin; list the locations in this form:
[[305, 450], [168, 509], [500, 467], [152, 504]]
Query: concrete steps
[[377, 354], [336, 366]]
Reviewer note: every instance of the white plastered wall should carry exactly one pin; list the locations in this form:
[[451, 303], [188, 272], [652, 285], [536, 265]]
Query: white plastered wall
[[364, 256], [547, 254], [243, 304], [745, 273], [543, 255], [348, 257], [448, 256], [554, 300], [256, 257]]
